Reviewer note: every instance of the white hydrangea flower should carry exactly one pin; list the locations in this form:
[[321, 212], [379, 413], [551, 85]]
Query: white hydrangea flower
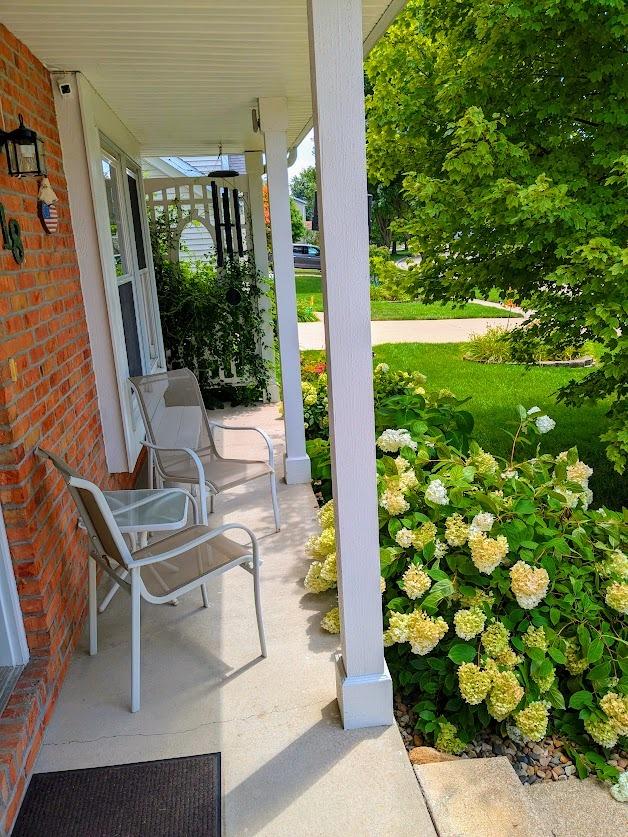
[[382, 367], [482, 522], [620, 789], [394, 502], [392, 441], [404, 538], [579, 472], [533, 410], [544, 424], [508, 473], [437, 493], [440, 549]]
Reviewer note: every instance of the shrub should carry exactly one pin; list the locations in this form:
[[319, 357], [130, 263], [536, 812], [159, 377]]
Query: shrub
[[505, 594], [495, 346], [388, 281], [305, 313], [210, 319], [401, 399]]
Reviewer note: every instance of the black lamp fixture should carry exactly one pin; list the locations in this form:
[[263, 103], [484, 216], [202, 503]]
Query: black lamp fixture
[[25, 151]]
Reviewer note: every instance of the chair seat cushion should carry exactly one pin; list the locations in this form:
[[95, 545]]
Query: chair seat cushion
[[165, 578], [219, 472]]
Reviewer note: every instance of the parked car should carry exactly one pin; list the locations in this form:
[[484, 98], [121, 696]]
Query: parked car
[[306, 255]]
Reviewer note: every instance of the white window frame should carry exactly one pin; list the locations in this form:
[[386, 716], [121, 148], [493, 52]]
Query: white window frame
[[13, 644], [144, 287]]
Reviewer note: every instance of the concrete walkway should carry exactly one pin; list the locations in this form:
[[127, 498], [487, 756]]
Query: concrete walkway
[[312, 335], [288, 767]]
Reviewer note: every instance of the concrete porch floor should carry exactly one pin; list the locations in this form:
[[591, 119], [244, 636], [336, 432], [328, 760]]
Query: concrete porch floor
[[288, 766]]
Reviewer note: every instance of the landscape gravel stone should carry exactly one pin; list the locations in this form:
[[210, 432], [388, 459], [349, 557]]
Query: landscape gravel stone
[[544, 761]]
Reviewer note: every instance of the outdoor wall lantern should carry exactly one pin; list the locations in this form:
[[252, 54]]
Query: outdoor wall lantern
[[25, 151]]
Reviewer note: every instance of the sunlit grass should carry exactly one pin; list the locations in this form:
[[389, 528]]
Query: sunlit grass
[[309, 294], [496, 389]]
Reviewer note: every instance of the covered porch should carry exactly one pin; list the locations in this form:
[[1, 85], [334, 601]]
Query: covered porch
[[147, 80], [287, 765]]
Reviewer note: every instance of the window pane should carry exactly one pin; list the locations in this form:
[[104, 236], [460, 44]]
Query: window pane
[[137, 221], [115, 223], [129, 323]]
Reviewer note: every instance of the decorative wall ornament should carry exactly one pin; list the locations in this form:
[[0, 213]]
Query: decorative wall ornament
[[11, 236], [47, 207]]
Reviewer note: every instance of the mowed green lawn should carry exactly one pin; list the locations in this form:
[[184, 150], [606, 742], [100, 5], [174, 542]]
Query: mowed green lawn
[[309, 294], [495, 391]]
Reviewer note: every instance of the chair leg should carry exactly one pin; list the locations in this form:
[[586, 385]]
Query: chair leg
[[102, 607], [258, 607], [205, 596], [273, 494], [93, 609], [136, 601]]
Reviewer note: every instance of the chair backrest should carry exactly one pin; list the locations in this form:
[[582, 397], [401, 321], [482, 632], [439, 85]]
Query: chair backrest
[[108, 544], [173, 412]]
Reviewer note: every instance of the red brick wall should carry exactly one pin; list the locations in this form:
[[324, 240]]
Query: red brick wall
[[52, 402]]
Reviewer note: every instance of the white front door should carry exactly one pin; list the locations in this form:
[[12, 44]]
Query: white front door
[[130, 247]]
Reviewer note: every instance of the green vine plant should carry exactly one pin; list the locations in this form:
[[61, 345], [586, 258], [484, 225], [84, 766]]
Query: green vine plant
[[211, 319]]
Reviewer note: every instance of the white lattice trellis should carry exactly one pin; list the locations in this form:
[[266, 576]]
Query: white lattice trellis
[[189, 199]]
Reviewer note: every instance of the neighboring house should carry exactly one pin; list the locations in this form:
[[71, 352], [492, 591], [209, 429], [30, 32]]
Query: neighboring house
[[79, 311], [301, 204]]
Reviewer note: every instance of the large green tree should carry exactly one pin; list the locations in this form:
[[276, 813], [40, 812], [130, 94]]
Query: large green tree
[[303, 185], [507, 122]]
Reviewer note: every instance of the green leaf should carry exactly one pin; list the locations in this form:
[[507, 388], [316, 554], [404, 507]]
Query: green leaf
[[580, 699], [441, 590], [600, 675], [557, 655], [545, 668], [524, 506], [555, 697], [462, 652], [584, 637], [536, 654], [554, 616], [397, 604], [595, 651]]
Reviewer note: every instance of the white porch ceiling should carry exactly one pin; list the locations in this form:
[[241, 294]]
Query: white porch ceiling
[[183, 75]]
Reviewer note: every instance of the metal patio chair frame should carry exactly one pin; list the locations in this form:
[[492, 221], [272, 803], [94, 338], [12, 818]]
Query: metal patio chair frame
[[185, 548], [199, 457]]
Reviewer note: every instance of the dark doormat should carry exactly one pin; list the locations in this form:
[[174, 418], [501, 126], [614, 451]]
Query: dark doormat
[[166, 798]]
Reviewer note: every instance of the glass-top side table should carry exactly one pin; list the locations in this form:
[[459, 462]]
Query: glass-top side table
[[138, 512], [149, 509]]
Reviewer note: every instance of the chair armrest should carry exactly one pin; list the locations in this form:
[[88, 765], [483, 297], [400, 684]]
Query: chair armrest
[[262, 433], [202, 490], [201, 539]]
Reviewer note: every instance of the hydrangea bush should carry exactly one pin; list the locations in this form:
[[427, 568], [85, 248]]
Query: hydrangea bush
[[504, 592], [401, 400]]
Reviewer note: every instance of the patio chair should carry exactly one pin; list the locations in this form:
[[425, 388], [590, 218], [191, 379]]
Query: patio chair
[[181, 441], [186, 560]]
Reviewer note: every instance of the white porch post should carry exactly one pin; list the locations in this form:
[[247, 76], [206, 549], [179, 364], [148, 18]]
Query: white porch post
[[363, 683], [274, 122], [254, 170]]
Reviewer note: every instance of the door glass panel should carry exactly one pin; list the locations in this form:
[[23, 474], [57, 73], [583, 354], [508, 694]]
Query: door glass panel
[[115, 218], [129, 322], [137, 221]]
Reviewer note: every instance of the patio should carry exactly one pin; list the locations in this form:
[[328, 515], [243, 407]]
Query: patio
[[288, 766]]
